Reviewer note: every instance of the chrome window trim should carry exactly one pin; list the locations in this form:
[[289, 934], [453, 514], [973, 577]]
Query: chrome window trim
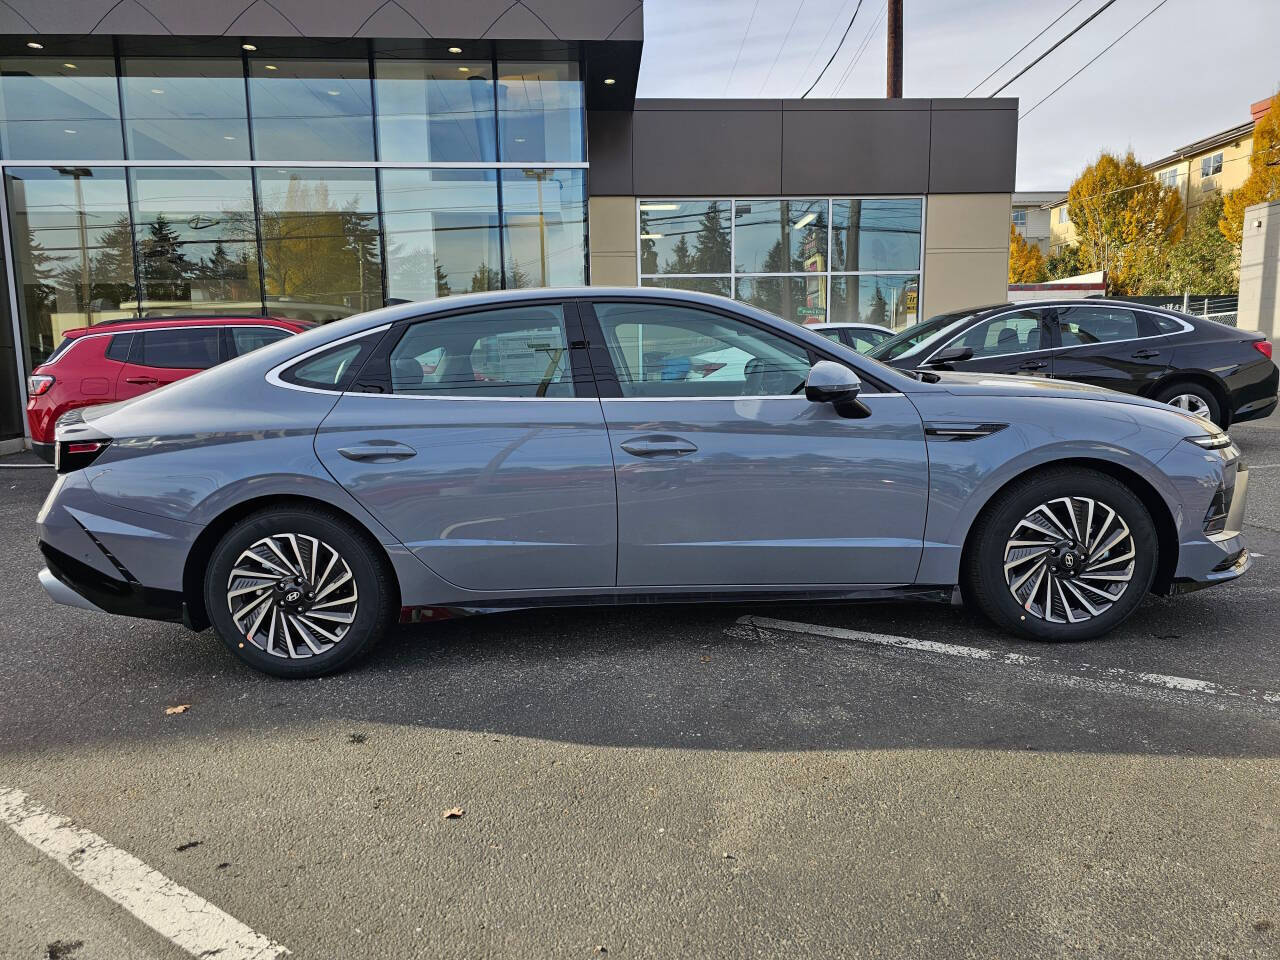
[[1186, 328], [768, 396], [273, 375]]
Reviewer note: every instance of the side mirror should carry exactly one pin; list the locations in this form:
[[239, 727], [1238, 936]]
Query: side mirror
[[834, 383], [951, 355]]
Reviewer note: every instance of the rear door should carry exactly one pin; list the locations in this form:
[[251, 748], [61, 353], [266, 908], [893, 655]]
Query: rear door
[[166, 355], [1018, 341], [727, 475], [1110, 346], [484, 450]]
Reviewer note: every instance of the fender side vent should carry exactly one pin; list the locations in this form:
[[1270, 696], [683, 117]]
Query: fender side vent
[[949, 430]]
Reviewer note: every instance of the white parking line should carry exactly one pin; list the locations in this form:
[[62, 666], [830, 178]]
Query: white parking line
[[1042, 664], [173, 911]]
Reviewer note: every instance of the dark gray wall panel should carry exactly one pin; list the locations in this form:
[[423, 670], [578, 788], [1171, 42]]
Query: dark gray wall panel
[[463, 19], [609, 146], [837, 151], [973, 151], [707, 151]]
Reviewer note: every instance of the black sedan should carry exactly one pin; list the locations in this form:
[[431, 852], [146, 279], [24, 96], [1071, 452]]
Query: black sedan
[[1206, 368]]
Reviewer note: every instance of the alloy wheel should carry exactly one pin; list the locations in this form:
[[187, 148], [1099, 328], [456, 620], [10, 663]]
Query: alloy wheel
[[1190, 403], [292, 595], [1069, 559]]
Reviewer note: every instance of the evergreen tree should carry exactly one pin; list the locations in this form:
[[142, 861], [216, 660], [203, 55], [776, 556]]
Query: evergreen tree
[[681, 260], [166, 271], [711, 244], [879, 312], [485, 278]]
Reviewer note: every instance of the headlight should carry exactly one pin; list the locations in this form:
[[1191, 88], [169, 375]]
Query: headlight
[[1212, 441]]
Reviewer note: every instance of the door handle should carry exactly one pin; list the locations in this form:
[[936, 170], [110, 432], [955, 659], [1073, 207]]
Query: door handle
[[1033, 364], [141, 380], [378, 451], [658, 446], [1145, 354]]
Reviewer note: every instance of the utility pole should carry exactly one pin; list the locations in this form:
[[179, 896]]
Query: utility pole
[[894, 85]]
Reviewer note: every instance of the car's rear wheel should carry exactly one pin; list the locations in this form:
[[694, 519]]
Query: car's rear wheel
[[298, 592], [1067, 554], [1192, 398]]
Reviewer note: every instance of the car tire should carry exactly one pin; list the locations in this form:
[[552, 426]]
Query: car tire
[[1193, 398], [1009, 532], [345, 593]]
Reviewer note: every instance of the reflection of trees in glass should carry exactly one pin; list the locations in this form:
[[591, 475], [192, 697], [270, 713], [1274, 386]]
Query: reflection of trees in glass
[[103, 278], [485, 278], [878, 311], [708, 253], [517, 278], [166, 271], [318, 252], [711, 248], [681, 259]]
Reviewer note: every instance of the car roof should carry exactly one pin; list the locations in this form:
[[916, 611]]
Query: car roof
[[130, 324]]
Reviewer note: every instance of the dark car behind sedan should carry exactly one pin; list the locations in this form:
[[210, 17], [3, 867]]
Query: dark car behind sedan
[[1206, 368]]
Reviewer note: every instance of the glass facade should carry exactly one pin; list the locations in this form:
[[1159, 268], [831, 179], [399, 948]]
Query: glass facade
[[810, 260], [305, 187]]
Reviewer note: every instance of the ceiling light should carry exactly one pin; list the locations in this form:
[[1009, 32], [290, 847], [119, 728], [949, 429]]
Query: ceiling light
[[248, 46], [650, 236], [68, 131], [804, 221], [71, 66], [521, 139], [332, 93], [659, 206], [272, 66], [156, 90], [464, 69], [609, 81], [228, 137], [35, 46], [455, 49]]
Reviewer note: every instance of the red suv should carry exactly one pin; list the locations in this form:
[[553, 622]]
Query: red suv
[[120, 359]]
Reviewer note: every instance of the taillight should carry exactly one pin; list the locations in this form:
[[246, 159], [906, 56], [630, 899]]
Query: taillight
[[1263, 347], [71, 455], [38, 384]]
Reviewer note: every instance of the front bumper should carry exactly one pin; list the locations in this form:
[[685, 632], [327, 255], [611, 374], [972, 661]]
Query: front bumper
[[1220, 557]]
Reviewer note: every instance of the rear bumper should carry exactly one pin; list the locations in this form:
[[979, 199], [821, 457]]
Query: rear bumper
[[42, 450], [68, 581]]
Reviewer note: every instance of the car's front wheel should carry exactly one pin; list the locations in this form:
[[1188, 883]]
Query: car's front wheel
[[298, 592], [1067, 554]]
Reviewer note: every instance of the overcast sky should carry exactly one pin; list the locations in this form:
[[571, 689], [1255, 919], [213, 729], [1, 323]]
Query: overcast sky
[[1189, 71]]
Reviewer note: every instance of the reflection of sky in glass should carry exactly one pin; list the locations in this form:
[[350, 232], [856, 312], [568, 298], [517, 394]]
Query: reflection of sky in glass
[[886, 300], [545, 244], [875, 234], [311, 109], [665, 223], [540, 112], [780, 236], [45, 202], [435, 111], [184, 109], [50, 110], [200, 205]]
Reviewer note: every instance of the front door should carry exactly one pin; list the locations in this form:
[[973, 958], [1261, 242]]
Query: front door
[[727, 475], [1015, 342], [1110, 346], [485, 457]]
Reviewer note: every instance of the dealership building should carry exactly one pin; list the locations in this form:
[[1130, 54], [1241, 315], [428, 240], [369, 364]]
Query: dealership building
[[318, 158]]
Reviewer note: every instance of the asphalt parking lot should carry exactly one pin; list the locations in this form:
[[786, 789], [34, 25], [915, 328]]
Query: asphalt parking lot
[[725, 781]]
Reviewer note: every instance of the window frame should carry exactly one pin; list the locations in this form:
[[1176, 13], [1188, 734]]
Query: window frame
[[606, 374], [375, 377], [139, 339], [1141, 322]]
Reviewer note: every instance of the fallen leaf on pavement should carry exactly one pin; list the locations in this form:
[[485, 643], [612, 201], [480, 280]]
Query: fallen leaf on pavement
[[180, 708], [453, 813]]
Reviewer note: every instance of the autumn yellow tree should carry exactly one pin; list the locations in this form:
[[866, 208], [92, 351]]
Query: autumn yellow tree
[[1263, 184], [1026, 262], [1125, 220]]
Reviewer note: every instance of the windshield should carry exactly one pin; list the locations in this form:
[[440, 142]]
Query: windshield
[[913, 336]]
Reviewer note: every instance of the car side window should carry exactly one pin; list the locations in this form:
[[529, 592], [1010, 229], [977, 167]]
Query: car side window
[[509, 352], [247, 339], [1017, 332], [118, 348], [188, 348], [663, 350], [1081, 326], [864, 340], [1165, 324]]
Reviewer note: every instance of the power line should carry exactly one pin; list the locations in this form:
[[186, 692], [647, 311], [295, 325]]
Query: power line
[[782, 46], [1095, 59], [862, 47], [1080, 26], [1024, 46], [746, 33], [843, 37]]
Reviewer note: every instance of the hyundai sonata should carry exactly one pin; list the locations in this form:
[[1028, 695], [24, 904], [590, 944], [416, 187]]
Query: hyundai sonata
[[599, 445]]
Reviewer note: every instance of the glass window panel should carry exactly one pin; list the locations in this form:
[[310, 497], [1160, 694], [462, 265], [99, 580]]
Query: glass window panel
[[1087, 325], [185, 109], [442, 232], [798, 299], [248, 339], [544, 222], [1005, 334], [196, 240], [780, 236], [886, 301], [50, 110], [435, 110], [671, 351], [192, 348], [73, 250], [311, 109], [875, 234], [320, 246], [721, 286], [514, 352], [688, 236], [541, 114]]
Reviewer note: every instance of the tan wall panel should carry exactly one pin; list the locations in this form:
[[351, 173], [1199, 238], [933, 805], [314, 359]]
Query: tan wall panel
[[966, 251], [613, 270]]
